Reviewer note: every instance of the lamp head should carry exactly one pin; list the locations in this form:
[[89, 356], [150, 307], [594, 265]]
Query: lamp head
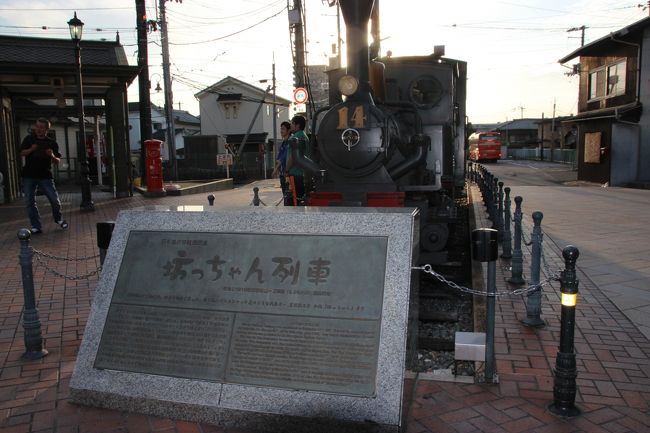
[[76, 28]]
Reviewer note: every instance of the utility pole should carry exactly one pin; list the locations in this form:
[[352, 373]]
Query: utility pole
[[582, 30], [553, 131], [374, 31], [521, 109], [275, 118], [338, 33], [299, 44], [169, 107], [143, 84]]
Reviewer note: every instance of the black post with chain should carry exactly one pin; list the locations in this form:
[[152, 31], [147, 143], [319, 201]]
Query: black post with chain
[[31, 322]]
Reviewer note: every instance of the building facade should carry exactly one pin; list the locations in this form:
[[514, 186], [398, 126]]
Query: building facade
[[53, 93], [185, 125], [242, 114], [612, 129]]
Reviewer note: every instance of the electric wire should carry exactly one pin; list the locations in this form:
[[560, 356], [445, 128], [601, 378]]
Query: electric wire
[[231, 34], [212, 19]]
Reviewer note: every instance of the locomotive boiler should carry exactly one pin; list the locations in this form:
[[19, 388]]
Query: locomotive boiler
[[393, 135]]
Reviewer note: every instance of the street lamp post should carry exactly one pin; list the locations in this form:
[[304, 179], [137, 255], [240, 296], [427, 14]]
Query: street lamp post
[[76, 29]]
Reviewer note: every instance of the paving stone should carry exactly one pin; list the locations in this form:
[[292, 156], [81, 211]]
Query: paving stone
[[613, 355]]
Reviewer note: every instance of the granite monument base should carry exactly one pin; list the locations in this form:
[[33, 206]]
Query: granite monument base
[[264, 319]]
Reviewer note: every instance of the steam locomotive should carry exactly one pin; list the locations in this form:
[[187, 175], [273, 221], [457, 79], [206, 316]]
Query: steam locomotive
[[394, 134]]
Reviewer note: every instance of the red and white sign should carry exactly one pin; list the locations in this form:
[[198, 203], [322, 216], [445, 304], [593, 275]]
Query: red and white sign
[[300, 95]]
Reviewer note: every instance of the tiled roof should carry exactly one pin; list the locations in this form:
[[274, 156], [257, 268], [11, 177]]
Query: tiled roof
[[519, 124], [179, 115], [215, 90], [60, 51], [186, 117]]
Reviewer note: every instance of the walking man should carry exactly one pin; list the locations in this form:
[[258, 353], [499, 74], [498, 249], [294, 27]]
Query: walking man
[[40, 152]]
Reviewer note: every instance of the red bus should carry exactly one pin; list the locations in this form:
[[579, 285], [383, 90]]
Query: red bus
[[485, 146]]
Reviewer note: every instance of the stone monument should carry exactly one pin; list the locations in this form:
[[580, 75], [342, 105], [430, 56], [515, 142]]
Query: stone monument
[[268, 319]]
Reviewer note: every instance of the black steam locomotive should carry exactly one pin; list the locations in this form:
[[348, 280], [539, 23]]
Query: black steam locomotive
[[394, 134]]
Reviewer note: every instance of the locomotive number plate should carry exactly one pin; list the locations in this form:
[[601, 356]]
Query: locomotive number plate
[[352, 119]]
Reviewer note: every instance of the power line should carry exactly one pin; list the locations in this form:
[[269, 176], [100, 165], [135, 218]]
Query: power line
[[582, 11], [268, 6], [102, 29], [231, 34], [40, 9], [552, 29]]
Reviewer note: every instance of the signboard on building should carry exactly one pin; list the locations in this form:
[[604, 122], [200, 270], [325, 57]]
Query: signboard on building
[[224, 159]]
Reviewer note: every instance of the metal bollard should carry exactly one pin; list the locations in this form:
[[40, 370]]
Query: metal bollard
[[500, 211], [534, 302], [256, 197], [506, 245], [487, 192], [565, 373], [495, 203], [211, 199], [485, 248], [494, 196], [517, 256], [104, 234], [31, 322]]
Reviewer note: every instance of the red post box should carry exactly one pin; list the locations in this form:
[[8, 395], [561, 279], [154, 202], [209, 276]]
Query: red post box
[[154, 168]]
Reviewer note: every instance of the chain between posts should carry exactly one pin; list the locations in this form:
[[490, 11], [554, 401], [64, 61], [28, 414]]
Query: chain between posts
[[39, 254], [67, 259], [520, 291]]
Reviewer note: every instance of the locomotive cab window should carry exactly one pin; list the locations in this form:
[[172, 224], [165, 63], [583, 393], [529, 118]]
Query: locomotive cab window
[[425, 92]]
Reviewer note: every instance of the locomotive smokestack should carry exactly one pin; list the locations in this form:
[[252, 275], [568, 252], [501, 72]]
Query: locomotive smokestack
[[356, 14]]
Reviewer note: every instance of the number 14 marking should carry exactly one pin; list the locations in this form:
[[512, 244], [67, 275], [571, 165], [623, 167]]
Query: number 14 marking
[[358, 119]]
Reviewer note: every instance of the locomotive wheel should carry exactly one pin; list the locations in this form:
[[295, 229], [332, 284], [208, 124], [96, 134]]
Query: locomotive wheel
[[434, 237]]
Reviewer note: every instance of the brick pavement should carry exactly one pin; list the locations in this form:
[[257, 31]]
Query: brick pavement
[[612, 355]]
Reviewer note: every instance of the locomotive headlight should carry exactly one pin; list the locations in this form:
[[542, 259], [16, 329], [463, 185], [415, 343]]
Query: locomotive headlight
[[348, 85]]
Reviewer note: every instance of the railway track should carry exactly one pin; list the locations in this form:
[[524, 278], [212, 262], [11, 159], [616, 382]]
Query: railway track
[[443, 310]]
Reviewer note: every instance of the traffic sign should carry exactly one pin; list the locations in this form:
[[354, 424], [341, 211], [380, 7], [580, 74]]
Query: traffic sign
[[300, 95], [224, 159]]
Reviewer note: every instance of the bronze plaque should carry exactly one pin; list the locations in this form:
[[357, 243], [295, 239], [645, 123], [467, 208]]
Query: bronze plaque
[[305, 296], [318, 354], [166, 341]]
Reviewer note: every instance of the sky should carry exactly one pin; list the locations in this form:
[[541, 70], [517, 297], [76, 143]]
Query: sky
[[511, 47]]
